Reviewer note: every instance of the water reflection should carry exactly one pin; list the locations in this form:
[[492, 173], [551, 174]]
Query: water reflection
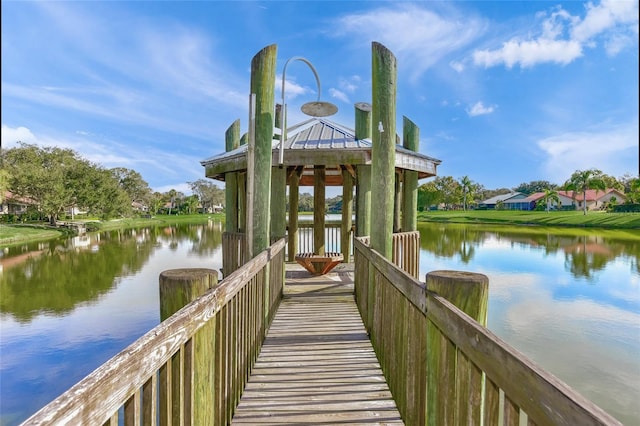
[[66, 273], [69, 305], [585, 252], [569, 300]]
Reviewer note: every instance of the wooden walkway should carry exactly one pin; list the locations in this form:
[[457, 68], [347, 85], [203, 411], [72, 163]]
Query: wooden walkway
[[317, 365]]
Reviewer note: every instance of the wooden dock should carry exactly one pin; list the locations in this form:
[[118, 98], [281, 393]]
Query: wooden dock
[[317, 365]]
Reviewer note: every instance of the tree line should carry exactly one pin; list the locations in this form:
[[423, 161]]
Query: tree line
[[52, 181], [465, 193]]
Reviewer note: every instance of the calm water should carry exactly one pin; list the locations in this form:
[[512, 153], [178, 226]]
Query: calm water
[[571, 303]]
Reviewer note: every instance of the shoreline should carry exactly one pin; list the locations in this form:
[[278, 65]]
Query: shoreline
[[16, 234]]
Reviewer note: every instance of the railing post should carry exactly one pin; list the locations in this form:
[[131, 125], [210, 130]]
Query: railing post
[[469, 292], [179, 287]]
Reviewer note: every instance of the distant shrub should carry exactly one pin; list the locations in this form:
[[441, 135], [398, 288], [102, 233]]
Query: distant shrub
[[626, 208]]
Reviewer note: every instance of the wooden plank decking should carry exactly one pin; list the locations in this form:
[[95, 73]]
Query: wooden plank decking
[[317, 365]]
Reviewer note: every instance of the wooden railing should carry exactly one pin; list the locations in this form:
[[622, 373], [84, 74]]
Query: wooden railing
[[234, 252], [332, 235], [470, 376], [150, 382], [405, 251]]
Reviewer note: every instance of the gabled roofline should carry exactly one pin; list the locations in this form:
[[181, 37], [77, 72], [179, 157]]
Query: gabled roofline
[[318, 141]]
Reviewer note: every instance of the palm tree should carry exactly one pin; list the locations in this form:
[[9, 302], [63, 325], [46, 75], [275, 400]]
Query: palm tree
[[172, 197], [549, 196], [582, 180], [468, 187]]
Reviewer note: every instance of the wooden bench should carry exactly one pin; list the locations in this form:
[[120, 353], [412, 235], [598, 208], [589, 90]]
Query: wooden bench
[[318, 264]]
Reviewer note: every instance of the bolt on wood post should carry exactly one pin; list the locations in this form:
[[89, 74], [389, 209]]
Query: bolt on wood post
[[179, 287], [470, 293]]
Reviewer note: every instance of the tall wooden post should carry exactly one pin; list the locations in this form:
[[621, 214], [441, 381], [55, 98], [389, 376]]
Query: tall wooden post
[[294, 197], [470, 293], [242, 193], [179, 287], [411, 141], [232, 141], [347, 215], [384, 88], [278, 192], [363, 173], [263, 77], [397, 202], [319, 177], [241, 179]]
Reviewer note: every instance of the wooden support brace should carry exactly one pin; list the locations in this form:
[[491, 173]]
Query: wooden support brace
[[319, 264]]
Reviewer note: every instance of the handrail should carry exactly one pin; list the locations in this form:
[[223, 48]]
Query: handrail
[[483, 373], [244, 303]]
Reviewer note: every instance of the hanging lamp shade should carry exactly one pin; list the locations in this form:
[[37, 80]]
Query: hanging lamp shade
[[319, 109]]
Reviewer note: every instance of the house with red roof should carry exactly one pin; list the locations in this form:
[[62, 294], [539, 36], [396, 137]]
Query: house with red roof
[[11, 203], [596, 199]]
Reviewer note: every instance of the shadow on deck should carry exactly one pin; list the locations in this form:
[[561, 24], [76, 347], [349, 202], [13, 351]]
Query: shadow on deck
[[317, 365]]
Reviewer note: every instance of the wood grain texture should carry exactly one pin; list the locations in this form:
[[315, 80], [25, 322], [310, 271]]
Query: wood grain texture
[[317, 365], [383, 151]]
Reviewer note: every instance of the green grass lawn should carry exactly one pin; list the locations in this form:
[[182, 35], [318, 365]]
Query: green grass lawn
[[156, 220], [14, 234], [516, 217], [19, 234], [22, 233]]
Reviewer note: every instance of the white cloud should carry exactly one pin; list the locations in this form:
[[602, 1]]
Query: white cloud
[[420, 37], [563, 37], [109, 153], [337, 94], [479, 109], [616, 43], [604, 17], [614, 150], [292, 89], [351, 84], [12, 135], [529, 53], [457, 66], [180, 187]]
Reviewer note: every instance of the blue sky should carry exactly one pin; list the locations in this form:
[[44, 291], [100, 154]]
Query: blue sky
[[504, 92]]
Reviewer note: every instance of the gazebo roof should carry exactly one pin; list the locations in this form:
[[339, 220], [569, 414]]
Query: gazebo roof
[[319, 141]]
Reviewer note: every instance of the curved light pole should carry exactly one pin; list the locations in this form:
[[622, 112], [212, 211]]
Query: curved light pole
[[314, 109]]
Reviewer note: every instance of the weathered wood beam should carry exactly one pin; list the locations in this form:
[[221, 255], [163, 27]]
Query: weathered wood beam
[[294, 198], [242, 201], [263, 76], [384, 89], [179, 287], [411, 141], [397, 202], [347, 215], [318, 209], [363, 173], [278, 191], [232, 141]]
